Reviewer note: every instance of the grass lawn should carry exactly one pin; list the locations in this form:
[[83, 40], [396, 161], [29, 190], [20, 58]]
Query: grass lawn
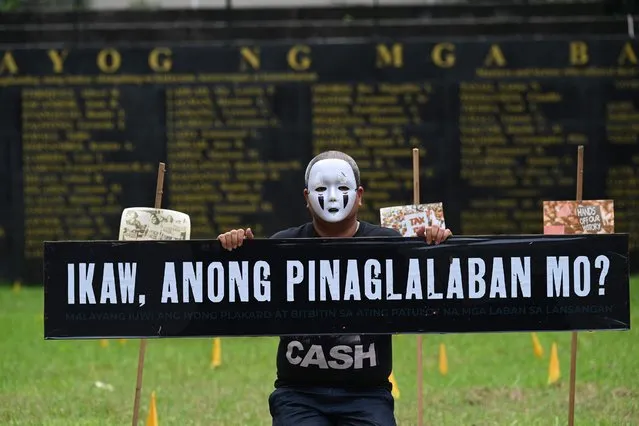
[[492, 380]]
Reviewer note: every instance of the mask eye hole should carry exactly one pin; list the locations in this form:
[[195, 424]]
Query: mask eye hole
[[320, 189], [344, 188]]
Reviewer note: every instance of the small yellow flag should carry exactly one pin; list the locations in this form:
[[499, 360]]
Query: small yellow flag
[[17, 286], [395, 389], [122, 341], [152, 418], [537, 348], [104, 343], [553, 369], [443, 360], [216, 355]]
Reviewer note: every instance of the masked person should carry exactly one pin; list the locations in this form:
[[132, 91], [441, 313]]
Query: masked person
[[333, 380]]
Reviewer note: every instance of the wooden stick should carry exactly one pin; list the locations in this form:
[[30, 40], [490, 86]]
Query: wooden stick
[[420, 372], [159, 188], [573, 344], [138, 387]]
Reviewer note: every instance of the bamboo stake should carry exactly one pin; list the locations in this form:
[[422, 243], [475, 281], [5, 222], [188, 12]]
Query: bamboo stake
[[420, 367], [138, 387], [573, 344]]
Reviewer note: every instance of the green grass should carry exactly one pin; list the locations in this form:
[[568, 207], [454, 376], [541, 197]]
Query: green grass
[[492, 380]]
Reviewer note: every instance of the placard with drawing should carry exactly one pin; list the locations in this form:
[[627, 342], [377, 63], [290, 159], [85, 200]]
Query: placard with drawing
[[146, 223], [579, 217], [406, 219]]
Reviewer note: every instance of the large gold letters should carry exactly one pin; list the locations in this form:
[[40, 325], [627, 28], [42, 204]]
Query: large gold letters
[[443, 56], [250, 58], [627, 55], [390, 57], [57, 60], [8, 64], [578, 53], [495, 56], [160, 59], [109, 60], [299, 57]]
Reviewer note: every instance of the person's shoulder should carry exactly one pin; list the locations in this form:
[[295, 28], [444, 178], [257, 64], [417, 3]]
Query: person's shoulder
[[301, 231], [368, 229]]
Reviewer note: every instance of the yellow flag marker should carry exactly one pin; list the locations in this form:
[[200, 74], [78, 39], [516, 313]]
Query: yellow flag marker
[[152, 418], [537, 348], [122, 341], [553, 369], [443, 360], [216, 355], [104, 343], [395, 389], [17, 286]]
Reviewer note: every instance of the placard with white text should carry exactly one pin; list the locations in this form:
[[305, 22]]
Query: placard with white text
[[275, 287], [579, 217]]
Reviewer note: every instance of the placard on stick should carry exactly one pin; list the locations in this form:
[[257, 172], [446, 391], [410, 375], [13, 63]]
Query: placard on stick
[[146, 223], [406, 219], [579, 217]]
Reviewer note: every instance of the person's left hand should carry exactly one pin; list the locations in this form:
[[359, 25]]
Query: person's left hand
[[433, 234]]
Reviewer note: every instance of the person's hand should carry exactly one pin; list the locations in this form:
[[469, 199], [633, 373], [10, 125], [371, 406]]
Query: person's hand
[[433, 234], [235, 238]]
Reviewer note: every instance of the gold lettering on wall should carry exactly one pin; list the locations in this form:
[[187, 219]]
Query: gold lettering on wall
[[515, 146], [622, 136], [250, 58], [495, 56], [443, 56], [214, 143], [160, 59], [73, 143], [627, 55], [578, 53], [378, 124], [109, 60], [516, 134], [298, 57], [57, 59], [390, 57], [8, 64]]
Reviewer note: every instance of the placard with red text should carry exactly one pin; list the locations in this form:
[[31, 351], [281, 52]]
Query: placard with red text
[[406, 219]]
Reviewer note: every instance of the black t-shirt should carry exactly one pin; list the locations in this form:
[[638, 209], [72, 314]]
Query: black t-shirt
[[349, 361]]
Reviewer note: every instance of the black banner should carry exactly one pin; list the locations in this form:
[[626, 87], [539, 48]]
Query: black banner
[[336, 286], [497, 121]]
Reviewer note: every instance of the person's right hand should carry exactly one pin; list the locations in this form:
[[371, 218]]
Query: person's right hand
[[234, 238]]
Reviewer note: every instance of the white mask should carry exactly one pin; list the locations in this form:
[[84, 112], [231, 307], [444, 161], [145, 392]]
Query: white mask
[[332, 189]]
